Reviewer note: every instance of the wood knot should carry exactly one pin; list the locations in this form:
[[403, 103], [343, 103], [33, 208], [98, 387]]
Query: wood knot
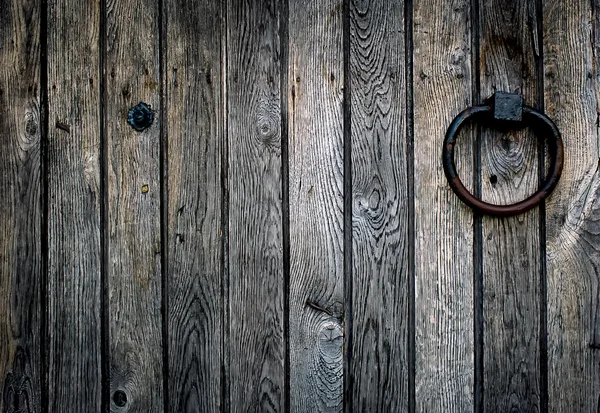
[[119, 398], [18, 392], [371, 203], [328, 366], [457, 57], [330, 341], [374, 199], [30, 125], [267, 129]]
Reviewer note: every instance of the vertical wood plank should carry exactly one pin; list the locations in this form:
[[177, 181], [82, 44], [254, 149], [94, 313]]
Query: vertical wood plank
[[133, 227], [316, 82], [572, 91], [74, 256], [379, 359], [511, 246], [257, 346], [444, 226], [20, 208], [194, 101]]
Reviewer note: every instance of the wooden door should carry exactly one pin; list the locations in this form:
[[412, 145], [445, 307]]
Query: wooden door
[[282, 236]]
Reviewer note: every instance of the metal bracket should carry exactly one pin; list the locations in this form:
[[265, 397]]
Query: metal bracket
[[507, 106]]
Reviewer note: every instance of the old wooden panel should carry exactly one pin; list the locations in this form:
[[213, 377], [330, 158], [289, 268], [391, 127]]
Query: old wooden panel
[[282, 238], [74, 205], [571, 46], [256, 278], [316, 167], [21, 280], [133, 225], [380, 237], [444, 226], [511, 246], [194, 125]]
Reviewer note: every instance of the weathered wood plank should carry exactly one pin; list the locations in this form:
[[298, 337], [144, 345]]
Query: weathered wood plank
[[316, 82], [194, 125], [444, 226], [511, 247], [379, 359], [20, 208], [133, 226], [74, 256], [572, 91], [257, 379]]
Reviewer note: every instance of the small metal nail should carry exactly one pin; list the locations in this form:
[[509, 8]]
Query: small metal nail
[[63, 126], [319, 308]]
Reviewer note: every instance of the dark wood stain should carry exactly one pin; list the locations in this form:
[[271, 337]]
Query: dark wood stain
[[282, 237]]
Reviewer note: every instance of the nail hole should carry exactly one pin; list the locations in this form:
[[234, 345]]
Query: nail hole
[[120, 398], [493, 179]]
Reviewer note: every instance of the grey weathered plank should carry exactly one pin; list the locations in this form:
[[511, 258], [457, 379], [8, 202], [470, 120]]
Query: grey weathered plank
[[380, 271], [571, 46], [74, 255], [511, 246], [257, 344], [315, 130], [20, 208], [443, 225], [194, 125], [133, 225]]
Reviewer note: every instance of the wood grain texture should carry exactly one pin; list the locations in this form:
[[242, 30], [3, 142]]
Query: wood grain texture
[[257, 379], [74, 256], [20, 208], [316, 82], [194, 124], [133, 226], [572, 93], [444, 226], [511, 246], [379, 366]]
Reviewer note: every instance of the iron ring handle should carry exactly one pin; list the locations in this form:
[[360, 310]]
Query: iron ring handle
[[542, 125]]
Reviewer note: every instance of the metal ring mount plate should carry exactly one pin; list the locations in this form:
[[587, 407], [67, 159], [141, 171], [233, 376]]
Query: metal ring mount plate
[[500, 110]]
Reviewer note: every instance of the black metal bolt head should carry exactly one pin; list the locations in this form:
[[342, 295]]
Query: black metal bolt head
[[140, 116], [507, 106]]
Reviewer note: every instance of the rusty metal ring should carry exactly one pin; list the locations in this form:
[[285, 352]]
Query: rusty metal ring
[[542, 126]]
